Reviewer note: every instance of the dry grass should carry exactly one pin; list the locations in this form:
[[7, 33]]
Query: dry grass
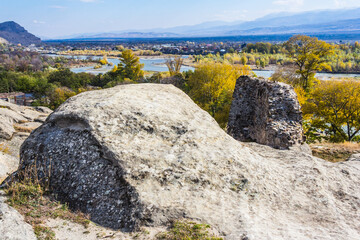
[[22, 121], [19, 128], [335, 152], [4, 148], [34, 201]]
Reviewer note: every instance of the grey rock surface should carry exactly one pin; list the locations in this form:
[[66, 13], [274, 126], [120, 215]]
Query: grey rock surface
[[265, 112], [146, 154], [6, 128], [12, 224], [16, 122], [8, 164], [44, 110], [354, 157]]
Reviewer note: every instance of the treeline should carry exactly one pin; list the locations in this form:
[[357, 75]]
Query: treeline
[[258, 59], [264, 48], [22, 61], [113, 53], [26, 61], [52, 86], [48, 88], [346, 57]]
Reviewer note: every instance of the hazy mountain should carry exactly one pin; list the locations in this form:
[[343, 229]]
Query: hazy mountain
[[153, 33], [338, 27], [133, 35], [287, 19], [311, 17], [322, 21], [197, 27], [14, 33]]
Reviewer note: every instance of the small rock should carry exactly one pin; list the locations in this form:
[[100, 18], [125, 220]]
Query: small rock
[[354, 157]]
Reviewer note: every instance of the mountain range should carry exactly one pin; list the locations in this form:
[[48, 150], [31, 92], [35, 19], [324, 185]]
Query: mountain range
[[343, 22], [14, 33], [313, 22]]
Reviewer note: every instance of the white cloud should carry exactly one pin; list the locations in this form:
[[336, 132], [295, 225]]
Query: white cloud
[[38, 22], [289, 2], [346, 3]]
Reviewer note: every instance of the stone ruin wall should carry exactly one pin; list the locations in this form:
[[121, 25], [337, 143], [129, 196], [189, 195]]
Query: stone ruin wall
[[265, 112]]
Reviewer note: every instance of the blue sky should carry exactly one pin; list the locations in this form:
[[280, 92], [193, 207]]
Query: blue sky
[[53, 18]]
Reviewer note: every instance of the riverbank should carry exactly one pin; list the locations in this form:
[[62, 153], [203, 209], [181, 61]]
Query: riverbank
[[157, 64]]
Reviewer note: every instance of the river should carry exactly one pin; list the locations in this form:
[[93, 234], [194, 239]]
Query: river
[[321, 76], [157, 64]]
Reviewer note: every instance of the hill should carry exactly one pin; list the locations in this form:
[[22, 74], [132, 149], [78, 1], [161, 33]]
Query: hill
[[335, 22], [3, 41], [14, 33], [294, 19], [338, 27]]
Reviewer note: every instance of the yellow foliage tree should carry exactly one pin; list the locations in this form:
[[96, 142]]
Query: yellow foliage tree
[[59, 95], [309, 55], [103, 61], [335, 108], [212, 85], [130, 66]]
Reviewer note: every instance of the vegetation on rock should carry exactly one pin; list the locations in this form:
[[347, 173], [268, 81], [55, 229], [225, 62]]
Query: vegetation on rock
[[186, 230], [34, 200]]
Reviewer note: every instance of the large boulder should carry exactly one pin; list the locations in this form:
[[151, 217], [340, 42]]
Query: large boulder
[[265, 112], [146, 154]]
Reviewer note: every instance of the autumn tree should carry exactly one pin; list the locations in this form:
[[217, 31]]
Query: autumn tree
[[309, 55], [104, 60], [244, 60], [174, 65], [357, 45], [287, 74], [55, 96], [130, 66], [335, 106], [212, 85]]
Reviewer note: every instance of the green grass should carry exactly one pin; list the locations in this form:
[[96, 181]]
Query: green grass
[[186, 230], [44, 233]]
